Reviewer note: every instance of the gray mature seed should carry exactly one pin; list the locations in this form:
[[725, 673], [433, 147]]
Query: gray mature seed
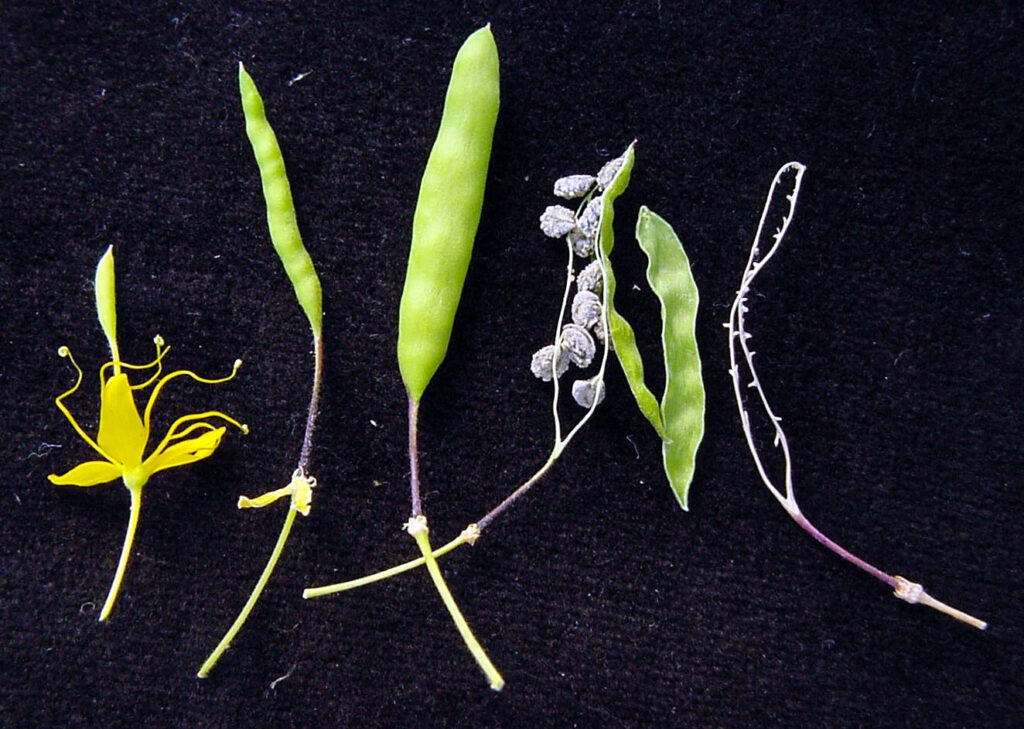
[[557, 221], [582, 244], [574, 186], [578, 345], [608, 172], [585, 391], [540, 365], [586, 309], [589, 279], [591, 218]]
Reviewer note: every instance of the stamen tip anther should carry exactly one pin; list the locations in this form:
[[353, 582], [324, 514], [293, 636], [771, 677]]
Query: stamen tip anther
[[63, 352], [158, 340], [237, 364], [245, 429]]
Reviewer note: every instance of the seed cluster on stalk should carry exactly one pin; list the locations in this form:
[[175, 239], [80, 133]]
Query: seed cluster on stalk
[[576, 343]]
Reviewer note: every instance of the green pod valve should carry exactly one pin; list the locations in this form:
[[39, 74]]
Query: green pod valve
[[448, 212]]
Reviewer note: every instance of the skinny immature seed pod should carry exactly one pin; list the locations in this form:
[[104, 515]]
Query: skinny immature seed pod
[[284, 230], [106, 304], [448, 212]]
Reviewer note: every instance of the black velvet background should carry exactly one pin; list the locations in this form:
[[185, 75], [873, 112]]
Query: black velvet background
[[889, 333]]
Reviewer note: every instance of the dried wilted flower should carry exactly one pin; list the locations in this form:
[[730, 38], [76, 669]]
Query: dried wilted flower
[[598, 330]]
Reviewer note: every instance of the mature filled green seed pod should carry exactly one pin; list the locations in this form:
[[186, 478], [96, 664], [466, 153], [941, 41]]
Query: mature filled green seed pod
[[284, 229], [448, 212]]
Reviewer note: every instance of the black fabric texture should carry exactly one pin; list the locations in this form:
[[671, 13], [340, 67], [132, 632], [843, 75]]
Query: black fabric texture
[[888, 331]]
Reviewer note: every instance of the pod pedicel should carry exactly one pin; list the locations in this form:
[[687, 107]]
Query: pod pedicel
[[284, 229], [448, 212]]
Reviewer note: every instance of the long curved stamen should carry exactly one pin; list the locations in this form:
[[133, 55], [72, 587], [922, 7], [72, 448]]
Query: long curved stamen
[[161, 350], [171, 435], [191, 429], [194, 376], [65, 352]]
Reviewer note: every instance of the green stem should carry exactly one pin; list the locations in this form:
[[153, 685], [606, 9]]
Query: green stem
[[423, 541], [383, 574], [126, 551], [225, 642]]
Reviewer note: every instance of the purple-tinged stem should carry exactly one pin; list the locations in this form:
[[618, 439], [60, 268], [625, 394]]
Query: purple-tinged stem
[[845, 554], [414, 458], [314, 402]]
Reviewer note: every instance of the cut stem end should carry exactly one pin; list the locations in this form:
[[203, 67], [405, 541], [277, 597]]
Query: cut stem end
[[417, 527], [915, 594], [126, 551]]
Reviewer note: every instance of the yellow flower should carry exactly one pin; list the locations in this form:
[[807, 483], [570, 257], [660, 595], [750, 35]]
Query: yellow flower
[[123, 436]]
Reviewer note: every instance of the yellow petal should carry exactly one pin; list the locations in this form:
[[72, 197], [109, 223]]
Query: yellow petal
[[303, 498], [244, 502], [185, 452], [89, 473], [122, 433]]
